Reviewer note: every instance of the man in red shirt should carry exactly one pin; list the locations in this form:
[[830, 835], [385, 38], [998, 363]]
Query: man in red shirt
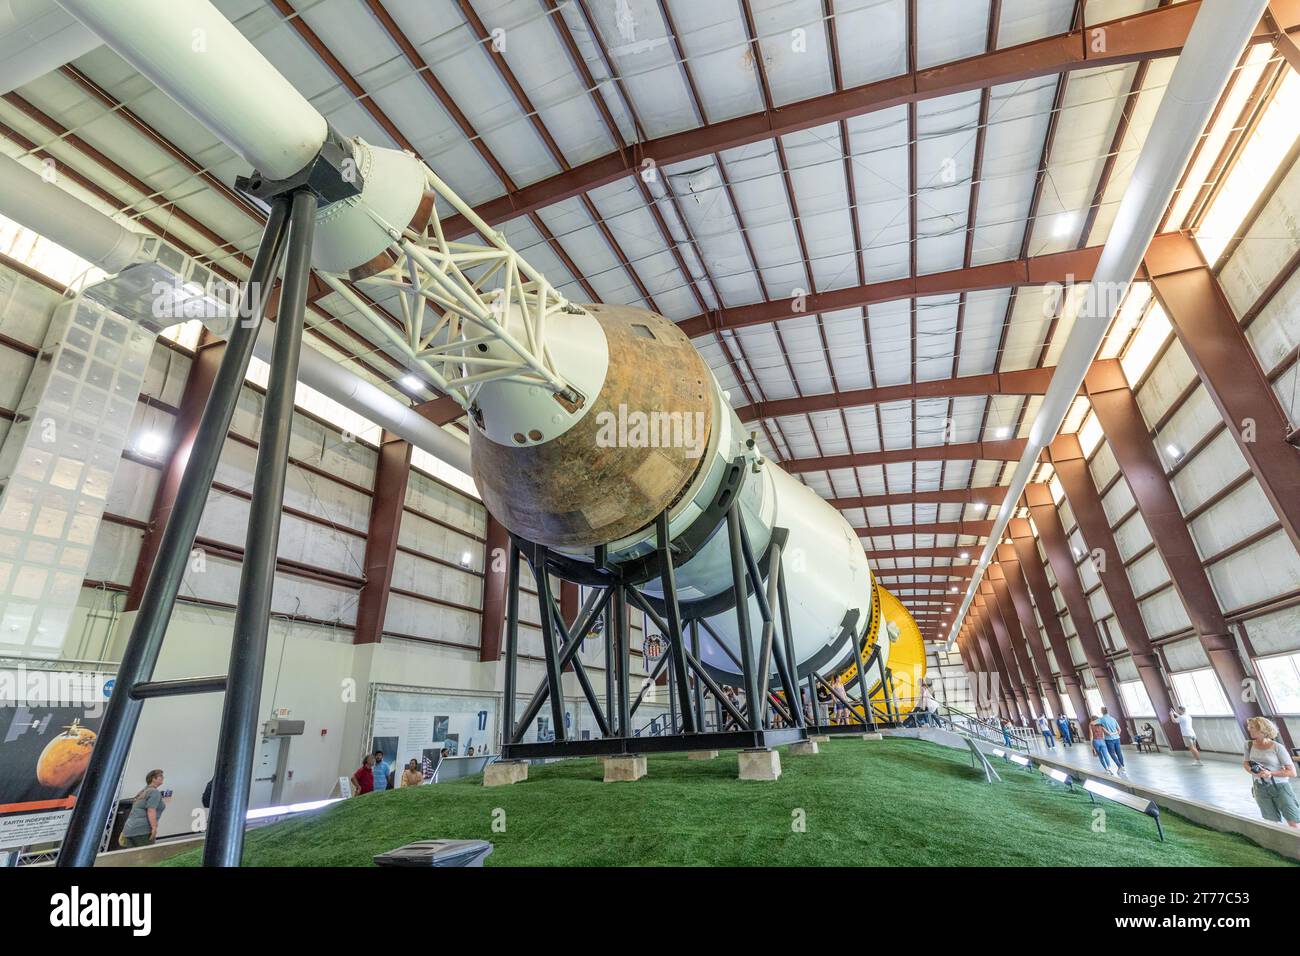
[[363, 778]]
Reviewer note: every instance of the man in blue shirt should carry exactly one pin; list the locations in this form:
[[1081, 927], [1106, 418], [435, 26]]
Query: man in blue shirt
[[1067, 737], [381, 771], [1111, 726]]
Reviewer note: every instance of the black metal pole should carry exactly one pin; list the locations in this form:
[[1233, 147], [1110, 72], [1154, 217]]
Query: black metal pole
[[537, 560], [596, 602], [108, 759], [787, 636], [512, 645], [623, 640], [699, 687], [862, 689], [742, 617], [672, 698], [569, 655], [668, 578], [224, 844], [608, 630]]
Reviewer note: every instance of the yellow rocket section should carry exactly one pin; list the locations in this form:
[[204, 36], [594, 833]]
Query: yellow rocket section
[[891, 621]]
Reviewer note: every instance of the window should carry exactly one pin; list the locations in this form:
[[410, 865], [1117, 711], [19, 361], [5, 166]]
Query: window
[[1068, 704], [1093, 696], [1200, 692], [36, 252], [1273, 137], [1047, 710], [1281, 676], [1135, 698]]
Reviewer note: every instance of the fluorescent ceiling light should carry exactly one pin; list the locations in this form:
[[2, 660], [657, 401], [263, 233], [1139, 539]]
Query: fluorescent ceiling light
[[411, 383], [150, 443]]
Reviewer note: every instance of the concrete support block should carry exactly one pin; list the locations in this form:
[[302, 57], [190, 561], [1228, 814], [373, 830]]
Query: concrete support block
[[872, 737], [505, 772], [803, 747], [624, 767], [760, 765], [701, 755], [820, 738]]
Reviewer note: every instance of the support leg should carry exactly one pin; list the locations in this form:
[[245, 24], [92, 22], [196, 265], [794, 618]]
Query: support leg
[[224, 844], [108, 760]]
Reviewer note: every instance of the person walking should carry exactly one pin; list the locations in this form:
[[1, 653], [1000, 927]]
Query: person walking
[[1111, 726], [1272, 770], [141, 827], [1006, 733], [1045, 728], [1063, 724], [1183, 719], [1097, 734]]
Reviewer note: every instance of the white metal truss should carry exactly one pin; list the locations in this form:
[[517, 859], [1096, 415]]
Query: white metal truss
[[458, 300]]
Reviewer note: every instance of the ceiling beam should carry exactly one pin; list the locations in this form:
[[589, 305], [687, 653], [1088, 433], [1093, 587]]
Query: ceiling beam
[[976, 528], [1051, 532], [1031, 568], [1029, 381], [991, 495], [1024, 637], [1229, 369], [1006, 450], [1129, 439], [954, 552], [1076, 265], [1144, 36]]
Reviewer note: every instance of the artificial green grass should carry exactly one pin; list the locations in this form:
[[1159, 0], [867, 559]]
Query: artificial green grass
[[893, 802]]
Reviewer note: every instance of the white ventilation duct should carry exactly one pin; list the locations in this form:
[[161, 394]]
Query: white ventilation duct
[[64, 219], [200, 59], [83, 230], [1219, 34], [36, 37]]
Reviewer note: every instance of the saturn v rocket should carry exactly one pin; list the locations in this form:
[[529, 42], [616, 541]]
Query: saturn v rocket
[[586, 421]]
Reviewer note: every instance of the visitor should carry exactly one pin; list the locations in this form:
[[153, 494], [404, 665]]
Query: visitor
[[922, 708], [469, 751], [933, 707], [1006, 732], [1063, 724], [1183, 719], [363, 778], [1097, 734], [412, 776], [1146, 735], [141, 828], [380, 772], [1111, 726], [1045, 728], [1272, 768]]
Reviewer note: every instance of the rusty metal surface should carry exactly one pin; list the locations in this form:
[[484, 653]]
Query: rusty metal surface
[[578, 491]]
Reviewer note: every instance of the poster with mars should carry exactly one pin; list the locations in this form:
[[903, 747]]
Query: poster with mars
[[44, 751]]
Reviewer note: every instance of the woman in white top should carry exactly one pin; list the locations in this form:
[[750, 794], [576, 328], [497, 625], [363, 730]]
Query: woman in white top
[[1272, 768]]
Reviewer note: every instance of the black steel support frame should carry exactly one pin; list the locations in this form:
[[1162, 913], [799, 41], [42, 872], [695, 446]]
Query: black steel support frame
[[224, 842], [689, 680], [135, 684]]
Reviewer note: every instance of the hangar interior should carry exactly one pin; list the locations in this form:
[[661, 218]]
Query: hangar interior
[[875, 221]]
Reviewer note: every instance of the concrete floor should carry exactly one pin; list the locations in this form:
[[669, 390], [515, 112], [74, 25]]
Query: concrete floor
[[1220, 781]]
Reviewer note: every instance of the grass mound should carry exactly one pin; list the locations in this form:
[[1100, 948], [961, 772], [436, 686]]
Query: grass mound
[[894, 802]]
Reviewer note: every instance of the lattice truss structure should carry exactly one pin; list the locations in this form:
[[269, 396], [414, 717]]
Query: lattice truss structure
[[462, 304]]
